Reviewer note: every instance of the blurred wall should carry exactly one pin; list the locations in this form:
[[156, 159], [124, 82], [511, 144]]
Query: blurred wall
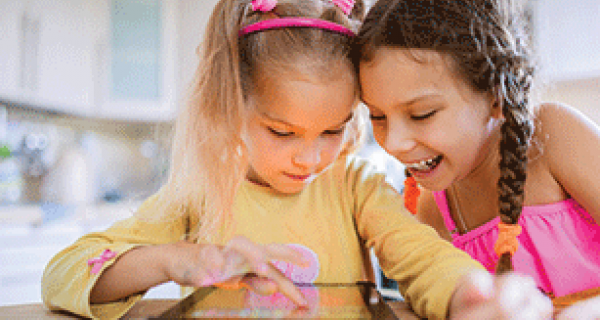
[[583, 94]]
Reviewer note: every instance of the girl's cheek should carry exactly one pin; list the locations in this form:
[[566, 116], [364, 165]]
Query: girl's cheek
[[334, 147]]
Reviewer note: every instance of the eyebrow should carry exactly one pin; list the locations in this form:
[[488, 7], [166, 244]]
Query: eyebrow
[[295, 126], [408, 102]]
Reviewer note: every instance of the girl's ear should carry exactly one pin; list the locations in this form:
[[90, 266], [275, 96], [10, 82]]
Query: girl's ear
[[496, 104]]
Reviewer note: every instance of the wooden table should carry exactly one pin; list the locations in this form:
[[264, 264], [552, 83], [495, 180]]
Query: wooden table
[[144, 308]]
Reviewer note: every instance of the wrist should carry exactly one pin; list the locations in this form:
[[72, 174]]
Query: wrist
[[166, 256], [155, 259], [474, 288]]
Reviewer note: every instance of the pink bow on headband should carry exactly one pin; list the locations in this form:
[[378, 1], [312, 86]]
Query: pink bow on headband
[[268, 5], [345, 5], [97, 263], [263, 5]]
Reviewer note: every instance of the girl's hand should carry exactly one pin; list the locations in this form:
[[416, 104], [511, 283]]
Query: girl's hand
[[240, 262], [512, 296], [584, 310]]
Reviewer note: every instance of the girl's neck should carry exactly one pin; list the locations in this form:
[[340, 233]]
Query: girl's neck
[[487, 170], [473, 199]]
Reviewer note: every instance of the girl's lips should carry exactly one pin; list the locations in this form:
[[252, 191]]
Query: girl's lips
[[424, 174], [298, 177]]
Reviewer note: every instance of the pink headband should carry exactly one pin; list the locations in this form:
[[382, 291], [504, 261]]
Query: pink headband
[[287, 22]]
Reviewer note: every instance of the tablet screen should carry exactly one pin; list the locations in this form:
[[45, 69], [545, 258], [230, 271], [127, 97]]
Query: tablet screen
[[341, 301]]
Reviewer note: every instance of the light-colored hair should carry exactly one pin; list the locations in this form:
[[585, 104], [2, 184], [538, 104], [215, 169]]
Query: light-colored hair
[[209, 156]]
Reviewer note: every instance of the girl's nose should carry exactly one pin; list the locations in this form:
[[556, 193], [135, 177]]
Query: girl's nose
[[308, 155], [399, 140]]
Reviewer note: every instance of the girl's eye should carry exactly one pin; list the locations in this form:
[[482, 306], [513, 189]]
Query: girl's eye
[[424, 116], [335, 132], [376, 118], [280, 133]]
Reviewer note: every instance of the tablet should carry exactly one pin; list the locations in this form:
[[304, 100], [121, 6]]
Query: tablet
[[335, 301]]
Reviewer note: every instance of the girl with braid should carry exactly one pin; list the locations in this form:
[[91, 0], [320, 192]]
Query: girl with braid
[[447, 84], [264, 190]]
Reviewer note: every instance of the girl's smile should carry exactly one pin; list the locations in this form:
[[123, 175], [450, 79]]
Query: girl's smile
[[425, 117], [424, 168]]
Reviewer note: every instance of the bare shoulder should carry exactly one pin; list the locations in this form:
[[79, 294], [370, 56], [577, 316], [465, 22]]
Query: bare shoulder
[[571, 149], [556, 118], [428, 213], [559, 127]]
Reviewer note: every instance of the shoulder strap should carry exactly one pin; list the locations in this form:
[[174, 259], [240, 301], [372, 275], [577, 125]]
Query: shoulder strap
[[442, 203]]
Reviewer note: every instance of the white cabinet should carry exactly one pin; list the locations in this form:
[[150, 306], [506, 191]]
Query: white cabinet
[[567, 38], [137, 50], [10, 23], [47, 55], [114, 59], [66, 59]]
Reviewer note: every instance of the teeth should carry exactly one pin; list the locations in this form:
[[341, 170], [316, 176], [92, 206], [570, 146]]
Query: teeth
[[422, 165]]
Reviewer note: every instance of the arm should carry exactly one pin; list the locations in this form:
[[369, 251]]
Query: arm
[[116, 282], [572, 149], [149, 252], [437, 279], [67, 281], [426, 267], [199, 265]]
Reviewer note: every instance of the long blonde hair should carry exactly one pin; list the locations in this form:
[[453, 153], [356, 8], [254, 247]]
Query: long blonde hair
[[208, 156]]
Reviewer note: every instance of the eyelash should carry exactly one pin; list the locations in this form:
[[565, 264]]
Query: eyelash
[[423, 117], [335, 132], [280, 134], [374, 118], [288, 134], [418, 118]]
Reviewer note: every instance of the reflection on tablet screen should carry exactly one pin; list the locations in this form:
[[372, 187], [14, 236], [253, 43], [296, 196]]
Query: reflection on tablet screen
[[349, 301]]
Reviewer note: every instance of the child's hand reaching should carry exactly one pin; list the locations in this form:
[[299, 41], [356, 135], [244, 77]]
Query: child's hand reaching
[[239, 263], [512, 296]]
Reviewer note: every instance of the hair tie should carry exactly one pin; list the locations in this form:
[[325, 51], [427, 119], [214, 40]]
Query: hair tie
[[345, 5], [264, 5], [507, 238]]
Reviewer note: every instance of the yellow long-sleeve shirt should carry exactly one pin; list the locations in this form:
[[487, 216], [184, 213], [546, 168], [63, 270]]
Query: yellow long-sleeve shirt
[[334, 220]]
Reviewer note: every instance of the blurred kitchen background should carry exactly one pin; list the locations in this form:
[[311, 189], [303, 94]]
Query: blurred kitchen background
[[89, 90]]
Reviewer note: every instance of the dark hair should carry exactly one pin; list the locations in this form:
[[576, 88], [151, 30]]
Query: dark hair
[[486, 41]]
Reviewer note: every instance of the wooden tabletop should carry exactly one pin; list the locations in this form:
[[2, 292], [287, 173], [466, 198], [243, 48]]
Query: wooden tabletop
[[144, 308]]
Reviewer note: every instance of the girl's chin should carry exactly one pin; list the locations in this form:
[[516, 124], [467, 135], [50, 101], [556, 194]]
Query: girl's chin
[[288, 190], [433, 180]]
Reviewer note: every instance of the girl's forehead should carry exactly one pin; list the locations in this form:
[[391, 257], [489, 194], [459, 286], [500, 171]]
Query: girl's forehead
[[397, 76], [307, 104], [423, 58]]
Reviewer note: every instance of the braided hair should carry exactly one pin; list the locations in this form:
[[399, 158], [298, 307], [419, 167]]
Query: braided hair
[[486, 40]]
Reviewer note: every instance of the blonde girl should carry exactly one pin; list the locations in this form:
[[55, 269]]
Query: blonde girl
[[263, 190], [448, 85]]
